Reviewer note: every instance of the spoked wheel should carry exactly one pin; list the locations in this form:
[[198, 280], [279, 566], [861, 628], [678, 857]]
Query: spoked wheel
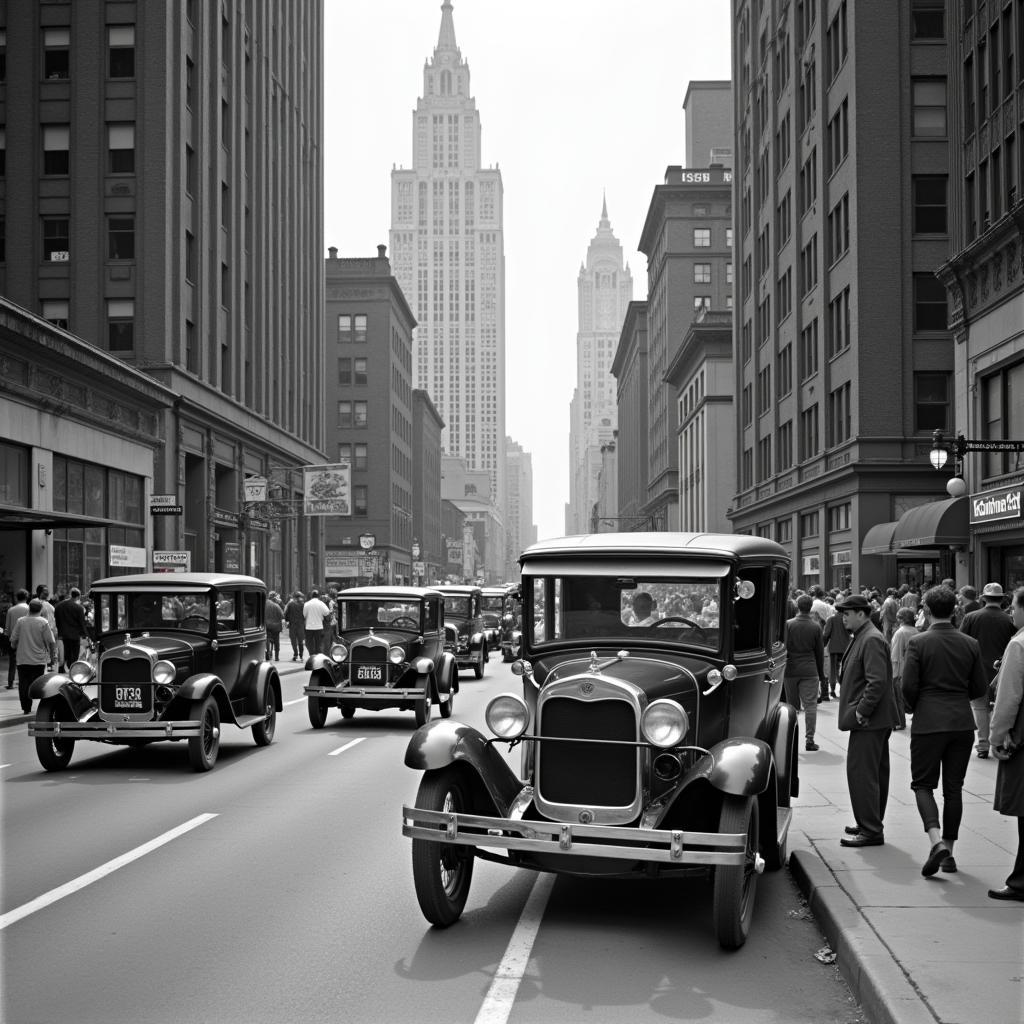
[[54, 754], [203, 749], [440, 872], [317, 712], [263, 732], [423, 707], [735, 886]]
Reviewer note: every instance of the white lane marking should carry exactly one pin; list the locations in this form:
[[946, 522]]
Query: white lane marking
[[8, 765], [497, 1005], [101, 872], [341, 750], [299, 700]]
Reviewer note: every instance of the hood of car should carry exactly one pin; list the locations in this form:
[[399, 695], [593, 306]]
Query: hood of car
[[656, 677], [160, 645]]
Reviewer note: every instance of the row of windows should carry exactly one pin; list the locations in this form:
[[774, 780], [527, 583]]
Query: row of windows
[[56, 44], [57, 148]]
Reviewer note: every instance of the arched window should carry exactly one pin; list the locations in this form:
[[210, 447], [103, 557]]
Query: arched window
[[446, 83]]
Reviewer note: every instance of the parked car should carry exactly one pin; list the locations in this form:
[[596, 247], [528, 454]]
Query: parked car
[[464, 632], [390, 653], [510, 636], [492, 604], [653, 738], [176, 656]]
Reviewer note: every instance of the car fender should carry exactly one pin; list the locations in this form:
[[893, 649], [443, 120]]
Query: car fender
[[447, 674], [318, 661], [740, 767], [59, 684], [782, 736], [266, 676], [200, 686], [445, 741], [476, 641]]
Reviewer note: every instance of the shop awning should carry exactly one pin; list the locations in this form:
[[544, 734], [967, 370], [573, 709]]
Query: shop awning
[[935, 524], [878, 540], [13, 517]]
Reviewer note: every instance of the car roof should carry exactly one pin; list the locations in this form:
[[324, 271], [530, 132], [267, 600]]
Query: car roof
[[178, 581], [707, 545], [459, 589], [404, 593]]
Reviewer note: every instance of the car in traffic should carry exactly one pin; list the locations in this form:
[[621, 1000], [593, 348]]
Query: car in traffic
[[464, 634], [653, 737], [492, 604], [177, 656], [389, 653], [510, 636]]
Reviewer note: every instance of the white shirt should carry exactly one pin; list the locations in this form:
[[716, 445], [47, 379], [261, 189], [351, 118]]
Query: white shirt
[[314, 611]]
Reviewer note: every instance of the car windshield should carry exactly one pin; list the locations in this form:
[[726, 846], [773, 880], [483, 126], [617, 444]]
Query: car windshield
[[618, 609], [135, 612], [492, 604], [457, 607], [379, 613]]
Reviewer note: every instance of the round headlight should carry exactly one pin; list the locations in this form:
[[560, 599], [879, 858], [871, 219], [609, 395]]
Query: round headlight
[[521, 667], [507, 716], [339, 652], [664, 723], [163, 673], [80, 672], [729, 672], [714, 677], [396, 655]]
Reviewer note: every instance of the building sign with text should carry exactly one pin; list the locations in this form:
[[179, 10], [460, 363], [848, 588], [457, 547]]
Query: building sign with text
[[327, 490], [1000, 503]]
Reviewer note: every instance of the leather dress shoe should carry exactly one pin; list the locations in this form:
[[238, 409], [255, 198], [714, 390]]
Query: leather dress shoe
[[860, 839], [1006, 893], [948, 865], [938, 856], [811, 745], [983, 754], [852, 830]]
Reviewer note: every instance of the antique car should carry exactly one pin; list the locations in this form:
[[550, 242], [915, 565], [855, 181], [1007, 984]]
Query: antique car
[[510, 635], [464, 632], [653, 739], [390, 653], [492, 605], [176, 656]]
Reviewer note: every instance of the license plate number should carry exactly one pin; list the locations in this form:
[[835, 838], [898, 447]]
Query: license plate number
[[127, 698], [369, 674]]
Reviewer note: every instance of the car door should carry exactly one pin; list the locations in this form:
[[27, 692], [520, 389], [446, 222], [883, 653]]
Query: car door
[[230, 638]]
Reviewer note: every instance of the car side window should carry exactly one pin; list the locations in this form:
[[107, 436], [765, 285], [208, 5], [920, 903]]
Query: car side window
[[749, 613], [226, 619], [252, 610], [430, 616]]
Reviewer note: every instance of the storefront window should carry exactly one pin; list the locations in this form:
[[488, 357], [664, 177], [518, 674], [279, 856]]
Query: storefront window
[[14, 475]]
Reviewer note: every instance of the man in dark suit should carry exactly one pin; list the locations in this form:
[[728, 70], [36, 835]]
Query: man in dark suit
[[941, 675], [72, 627], [868, 711], [992, 628], [805, 665]]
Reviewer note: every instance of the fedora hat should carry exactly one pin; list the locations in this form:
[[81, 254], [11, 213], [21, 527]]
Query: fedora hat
[[854, 603], [993, 592]]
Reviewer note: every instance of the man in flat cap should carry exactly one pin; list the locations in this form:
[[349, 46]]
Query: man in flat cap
[[868, 711]]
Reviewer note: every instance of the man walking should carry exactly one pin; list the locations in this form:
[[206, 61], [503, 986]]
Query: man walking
[[273, 616], [15, 612], [296, 624], [890, 606], [867, 710], [805, 666], [35, 647], [314, 614], [72, 627], [992, 628]]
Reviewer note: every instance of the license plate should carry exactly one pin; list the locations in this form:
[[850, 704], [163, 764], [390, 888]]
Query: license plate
[[128, 698], [369, 674]]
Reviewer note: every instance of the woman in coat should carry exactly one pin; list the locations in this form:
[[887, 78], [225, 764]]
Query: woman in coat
[[1006, 734]]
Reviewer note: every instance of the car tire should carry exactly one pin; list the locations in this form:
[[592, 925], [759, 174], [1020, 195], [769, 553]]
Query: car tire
[[424, 707], [263, 732], [441, 873], [736, 886], [478, 666], [347, 711], [54, 754], [203, 749], [317, 712], [446, 707]]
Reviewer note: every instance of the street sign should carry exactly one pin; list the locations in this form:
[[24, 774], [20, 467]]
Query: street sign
[[368, 565], [255, 488], [418, 568], [164, 505], [327, 490], [232, 556], [172, 561], [124, 557], [341, 564], [367, 540]]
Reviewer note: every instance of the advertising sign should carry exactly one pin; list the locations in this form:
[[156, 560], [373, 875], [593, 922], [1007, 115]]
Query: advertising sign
[[124, 557], [172, 561], [232, 556], [327, 490], [455, 551], [255, 488], [1001, 503], [164, 505], [341, 564]]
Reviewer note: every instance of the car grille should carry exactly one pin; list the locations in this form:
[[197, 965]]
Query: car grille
[[125, 670], [587, 773], [369, 655], [451, 635], [126, 688]]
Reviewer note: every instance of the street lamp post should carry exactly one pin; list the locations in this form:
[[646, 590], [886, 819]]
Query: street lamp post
[[958, 447]]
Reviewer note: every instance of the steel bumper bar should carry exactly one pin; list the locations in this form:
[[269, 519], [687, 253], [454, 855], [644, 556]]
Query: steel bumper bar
[[364, 693], [662, 846], [107, 730]]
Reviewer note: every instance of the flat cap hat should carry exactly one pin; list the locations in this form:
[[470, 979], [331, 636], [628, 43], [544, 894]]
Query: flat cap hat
[[854, 603]]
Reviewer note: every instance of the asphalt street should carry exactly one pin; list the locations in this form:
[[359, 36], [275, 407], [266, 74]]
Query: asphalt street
[[278, 887]]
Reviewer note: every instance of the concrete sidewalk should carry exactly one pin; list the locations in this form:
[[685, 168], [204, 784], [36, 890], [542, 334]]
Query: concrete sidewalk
[[912, 949]]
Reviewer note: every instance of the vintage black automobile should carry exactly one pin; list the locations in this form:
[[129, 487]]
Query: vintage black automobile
[[510, 635], [464, 632], [652, 734], [492, 605], [177, 655], [390, 653]]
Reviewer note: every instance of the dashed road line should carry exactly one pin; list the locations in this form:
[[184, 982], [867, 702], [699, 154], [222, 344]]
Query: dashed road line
[[341, 750]]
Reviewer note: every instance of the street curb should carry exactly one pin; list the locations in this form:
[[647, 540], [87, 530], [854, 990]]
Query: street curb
[[877, 981]]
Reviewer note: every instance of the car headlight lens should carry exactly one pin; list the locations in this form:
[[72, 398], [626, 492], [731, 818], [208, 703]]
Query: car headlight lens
[[521, 667], [339, 652], [507, 716], [396, 655], [163, 673], [664, 723], [80, 672], [729, 672]]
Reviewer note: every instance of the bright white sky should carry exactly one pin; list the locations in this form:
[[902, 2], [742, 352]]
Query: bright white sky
[[577, 98]]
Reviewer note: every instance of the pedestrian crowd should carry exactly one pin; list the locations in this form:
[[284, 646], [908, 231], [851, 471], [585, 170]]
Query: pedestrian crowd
[[952, 664]]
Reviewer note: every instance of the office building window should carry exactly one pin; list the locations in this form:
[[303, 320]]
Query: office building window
[[784, 295], [809, 350], [359, 328], [121, 51], [191, 268], [747, 469], [121, 237], [764, 458], [56, 312], [932, 402], [359, 414], [747, 404], [810, 524], [839, 229], [809, 182], [839, 518], [839, 421], [784, 531], [728, 238], [360, 500], [929, 204], [784, 448], [839, 323], [930, 312], [56, 52], [927, 19], [929, 113], [836, 42], [191, 351], [809, 266], [56, 148], [345, 371], [809, 441], [838, 136], [784, 371], [1002, 405], [3, 55], [3, 151], [701, 238], [359, 460], [121, 325], [121, 146], [702, 273], [784, 220], [56, 240], [701, 303], [764, 391]]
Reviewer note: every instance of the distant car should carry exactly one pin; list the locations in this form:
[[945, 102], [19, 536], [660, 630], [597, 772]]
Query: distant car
[[390, 653], [510, 634], [177, 655], [464, 633], [653, 737], [492, 604]]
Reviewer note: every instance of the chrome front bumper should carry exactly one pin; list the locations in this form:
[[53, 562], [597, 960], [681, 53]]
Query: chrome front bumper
[[100, 730], [364, 693], [674, 847]]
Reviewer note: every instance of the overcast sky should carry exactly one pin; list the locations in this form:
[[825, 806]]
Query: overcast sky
[[577, 99]]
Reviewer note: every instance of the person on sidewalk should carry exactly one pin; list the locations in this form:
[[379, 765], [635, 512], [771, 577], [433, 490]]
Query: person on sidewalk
[[296, 623], [15, 612], [942, 675], [836, 641], [273, 616], [314, 614], [898, 656], [72, 627], [867, 710], [805, 666], [1007, 738], [35, 648], [992, 628]]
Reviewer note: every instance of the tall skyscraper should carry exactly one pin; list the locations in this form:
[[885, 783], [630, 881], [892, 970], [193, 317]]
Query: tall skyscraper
[[447, 247], [521, 532], [604, 290]]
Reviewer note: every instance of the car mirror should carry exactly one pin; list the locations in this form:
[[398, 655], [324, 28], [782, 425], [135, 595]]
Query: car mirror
[[744, 590]]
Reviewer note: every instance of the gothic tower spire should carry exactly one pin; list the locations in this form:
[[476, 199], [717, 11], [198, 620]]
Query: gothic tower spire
[[446, 37]]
